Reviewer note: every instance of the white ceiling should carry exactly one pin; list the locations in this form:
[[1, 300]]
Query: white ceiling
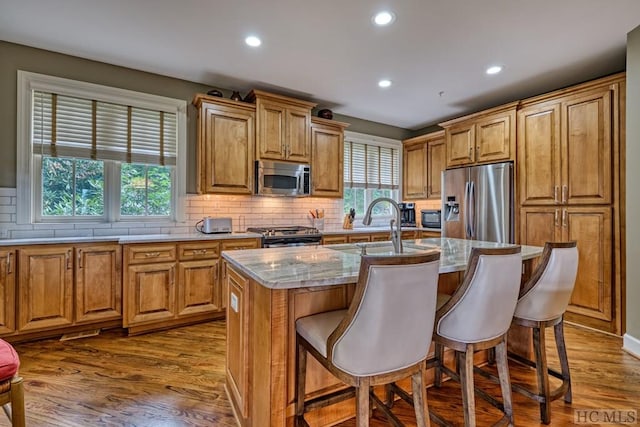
[[330, 52]]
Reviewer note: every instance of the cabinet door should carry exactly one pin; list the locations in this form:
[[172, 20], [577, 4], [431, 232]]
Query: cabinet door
[[436, 163], [198, 287], [334, 239], [45, 282], [298, 135], [414, 172], [593, 296], [226, 150], [239, 244], [98, 283], [150, 293], [238, 339], [327, 149], [539, 225], [493, 139], [359, 238], [271, 134], [587, 144], [539, 154], [381, 237], [460, 145], [7, 292]]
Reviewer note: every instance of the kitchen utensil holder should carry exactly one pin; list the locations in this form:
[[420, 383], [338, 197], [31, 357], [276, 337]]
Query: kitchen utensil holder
[[318, 223]]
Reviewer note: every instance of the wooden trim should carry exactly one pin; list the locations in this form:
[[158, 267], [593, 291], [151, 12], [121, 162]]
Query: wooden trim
[[255, 94], [424, 138], [327, 122], [200, 98], [479, 114]]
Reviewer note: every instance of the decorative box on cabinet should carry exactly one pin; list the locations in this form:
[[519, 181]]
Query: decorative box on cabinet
[[226, 145], [327, 152], [7, 291], [424, 160], [485, 137], [283, 127]]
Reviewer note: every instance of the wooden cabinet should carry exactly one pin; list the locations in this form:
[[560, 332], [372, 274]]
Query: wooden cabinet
[[226, 147], [565, 149], [333, 239], [485, 137], [150, 293], [45, 291], [423, 162], [238, 340], [592, 301], [283, 127], [98, 283], [7, 291], [569, 185], [327, 156]]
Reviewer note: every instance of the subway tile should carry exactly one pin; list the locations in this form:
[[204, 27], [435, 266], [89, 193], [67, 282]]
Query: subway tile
[[7, 209], [7, 191], [5, 200], [31, 234], [73, 233]]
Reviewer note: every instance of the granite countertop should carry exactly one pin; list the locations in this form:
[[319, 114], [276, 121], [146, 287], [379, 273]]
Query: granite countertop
[[364, 230], [308, 266], [139, 238]]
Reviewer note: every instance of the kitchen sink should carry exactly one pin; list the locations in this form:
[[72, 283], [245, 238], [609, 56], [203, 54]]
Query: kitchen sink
[[382, 248]]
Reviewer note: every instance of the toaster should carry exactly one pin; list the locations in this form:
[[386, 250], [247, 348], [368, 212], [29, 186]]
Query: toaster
[[210, 225]]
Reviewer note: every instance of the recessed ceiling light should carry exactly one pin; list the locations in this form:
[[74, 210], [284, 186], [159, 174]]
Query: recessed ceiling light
[[384, 18], [494, 69], [384, 83], [253, 41]]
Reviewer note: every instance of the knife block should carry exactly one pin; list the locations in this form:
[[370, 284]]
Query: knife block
[[347, 224]]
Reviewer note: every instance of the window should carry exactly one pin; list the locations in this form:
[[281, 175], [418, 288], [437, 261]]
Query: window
[[90, 152], [371, 170]]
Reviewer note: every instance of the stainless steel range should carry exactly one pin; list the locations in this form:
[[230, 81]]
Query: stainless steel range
[[295, 235]]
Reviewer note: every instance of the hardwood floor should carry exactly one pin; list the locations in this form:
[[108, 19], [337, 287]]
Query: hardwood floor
[[176, 378]]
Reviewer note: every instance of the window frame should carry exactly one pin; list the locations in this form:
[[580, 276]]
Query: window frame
[[26, 179], [362, 138]]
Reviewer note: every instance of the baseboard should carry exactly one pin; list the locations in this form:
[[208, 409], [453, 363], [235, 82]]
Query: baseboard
[[631, 345]]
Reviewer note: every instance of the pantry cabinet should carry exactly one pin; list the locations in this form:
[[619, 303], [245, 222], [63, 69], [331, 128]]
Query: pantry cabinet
[[7, 291], [226, 145], [423, 163], [485, 137], [327, 154], [283, 127]]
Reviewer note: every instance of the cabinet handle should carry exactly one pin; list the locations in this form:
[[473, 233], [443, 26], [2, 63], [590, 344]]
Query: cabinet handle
[[152, 254], [67, 258], [79, 258], [564, 218], [557, 224], [284, 150], [9, 263], [470, 151], [564, 194], [199, 252], [555, 194]]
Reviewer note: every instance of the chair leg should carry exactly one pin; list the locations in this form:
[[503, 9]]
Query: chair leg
[[465, 363], [505, 382], [558, 331], [437, 374], [17, 403], [420, 399], [541, 370], [301, 373], [362, 403]]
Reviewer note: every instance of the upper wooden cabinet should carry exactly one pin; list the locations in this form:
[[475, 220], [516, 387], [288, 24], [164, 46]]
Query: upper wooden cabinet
[[226, 132], [327, 157], [7, 291], [485, 137], [423, 162], [565, 148], [283, 129]]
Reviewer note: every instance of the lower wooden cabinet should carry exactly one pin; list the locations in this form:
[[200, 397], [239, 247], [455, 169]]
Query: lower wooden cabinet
[[593, 302], [7, 291], [150, 293], [98, 283], [199, 290]]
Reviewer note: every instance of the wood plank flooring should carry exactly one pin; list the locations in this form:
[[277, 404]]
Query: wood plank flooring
[[176, 378]]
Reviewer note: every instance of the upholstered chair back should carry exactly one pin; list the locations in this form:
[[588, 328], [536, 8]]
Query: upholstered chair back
[[489, 293], [547, 293], [393, 319]]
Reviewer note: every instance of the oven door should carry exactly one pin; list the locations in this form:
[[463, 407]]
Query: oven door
[[282, 179], [298, 241]]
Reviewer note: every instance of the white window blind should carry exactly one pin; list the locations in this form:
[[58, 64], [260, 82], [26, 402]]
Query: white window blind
[[371, 166], [83, 128]]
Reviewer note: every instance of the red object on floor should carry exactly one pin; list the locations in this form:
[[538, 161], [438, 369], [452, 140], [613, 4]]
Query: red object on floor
[[9, 361]]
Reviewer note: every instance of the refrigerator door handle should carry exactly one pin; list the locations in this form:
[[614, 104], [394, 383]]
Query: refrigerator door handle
[[467, 227], [472, 210]]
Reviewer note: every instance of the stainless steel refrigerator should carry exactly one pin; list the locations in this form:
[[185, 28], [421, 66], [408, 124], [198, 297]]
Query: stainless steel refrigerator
[[477, 203]]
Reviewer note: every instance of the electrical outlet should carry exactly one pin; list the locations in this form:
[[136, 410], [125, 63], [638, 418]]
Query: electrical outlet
[[4, 233]]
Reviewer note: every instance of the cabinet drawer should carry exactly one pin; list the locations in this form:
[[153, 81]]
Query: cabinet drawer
[[232, 245], [200, 250], [145, 254]]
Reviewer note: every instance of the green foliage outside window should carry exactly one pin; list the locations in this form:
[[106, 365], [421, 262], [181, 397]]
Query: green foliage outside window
[[145, 190], [72, 187]]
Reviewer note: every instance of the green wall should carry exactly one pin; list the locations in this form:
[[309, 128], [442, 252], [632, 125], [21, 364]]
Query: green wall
[[632, 179], [14, 57]]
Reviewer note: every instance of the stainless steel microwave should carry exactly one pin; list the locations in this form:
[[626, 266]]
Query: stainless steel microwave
[[282, 179]]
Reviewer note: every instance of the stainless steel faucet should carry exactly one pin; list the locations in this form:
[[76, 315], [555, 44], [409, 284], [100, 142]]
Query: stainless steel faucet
[[396, 235]]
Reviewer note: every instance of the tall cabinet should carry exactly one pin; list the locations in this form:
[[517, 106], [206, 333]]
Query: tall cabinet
[[569, 174], [423, 163], [327, 157]]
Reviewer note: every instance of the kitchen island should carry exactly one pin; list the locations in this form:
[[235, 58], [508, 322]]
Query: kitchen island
[[269, 289]]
